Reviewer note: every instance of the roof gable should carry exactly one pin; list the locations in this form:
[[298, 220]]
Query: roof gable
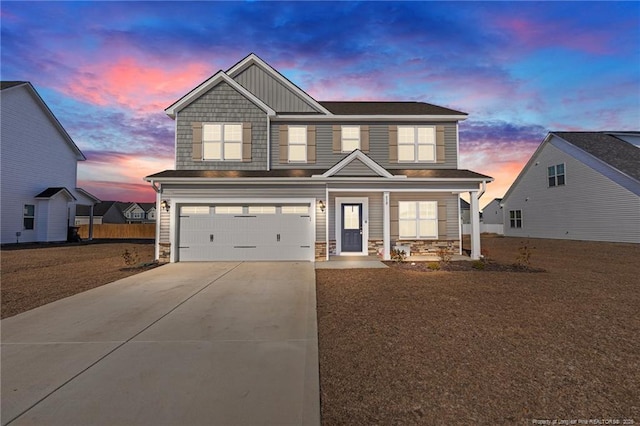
[[359, 157], [252, 63], [53, 192], [210, 83], [16, 85]]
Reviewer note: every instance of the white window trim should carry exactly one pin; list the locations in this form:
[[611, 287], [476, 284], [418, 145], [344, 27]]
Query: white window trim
[[343, 139], [222, 141], [515, 219], [289, 144], [416, 145], [417, 221]]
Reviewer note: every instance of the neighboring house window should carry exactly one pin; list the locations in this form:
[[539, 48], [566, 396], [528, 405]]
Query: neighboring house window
[[515, 218], [556, 175], [222, 142], [350, 138], [297, 144], [416, 144], [29, 214], [418, 219]]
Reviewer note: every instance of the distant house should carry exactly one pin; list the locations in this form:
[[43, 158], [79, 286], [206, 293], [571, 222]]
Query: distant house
[[578, 186], [38, 169], [103, 212], [492, 213], [134, 213], [465, 211], [149, 211]]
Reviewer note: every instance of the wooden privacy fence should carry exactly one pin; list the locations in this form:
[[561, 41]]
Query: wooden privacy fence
[[118, 230]]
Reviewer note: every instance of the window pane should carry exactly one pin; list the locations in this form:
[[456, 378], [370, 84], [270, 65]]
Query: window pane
[[518, 214], [211, 151], [560, 180], [233, 132], [351, 217], [28, 223], [406, 153], [211, 132], [232, 151], [406, 135], [426, 135], [29, 209], [552, 181], [407, 228], [295, 209], [428, 209], [428, 228], [350, 145], [194, 210], [297, 135], [228, 209], [426, 153], [298, 153], [350, 132], [551, 171], [262, 209], [407, 210], [560, 169]]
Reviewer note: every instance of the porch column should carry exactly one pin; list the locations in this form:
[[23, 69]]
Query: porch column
[[475, 225], [386, 227], [91, 222]]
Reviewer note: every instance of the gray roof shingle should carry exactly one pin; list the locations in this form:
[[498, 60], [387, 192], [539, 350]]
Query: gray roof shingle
[[616, 152], [9, 84], [387, 108]]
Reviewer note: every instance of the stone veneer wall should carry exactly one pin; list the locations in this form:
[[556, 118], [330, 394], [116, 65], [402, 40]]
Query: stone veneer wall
[[165, 253], [321, 252], [429, 247]]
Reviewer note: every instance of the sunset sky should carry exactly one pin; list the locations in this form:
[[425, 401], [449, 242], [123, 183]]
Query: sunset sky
[[108, 69]]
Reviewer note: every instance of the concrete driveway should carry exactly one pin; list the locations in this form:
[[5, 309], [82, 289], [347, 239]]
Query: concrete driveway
[[183, 344]]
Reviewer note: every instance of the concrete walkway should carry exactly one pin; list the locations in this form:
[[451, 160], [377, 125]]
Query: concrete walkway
[[182, 344]]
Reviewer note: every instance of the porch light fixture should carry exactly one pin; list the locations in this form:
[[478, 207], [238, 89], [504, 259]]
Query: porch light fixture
[[164, 205], [321, 205]]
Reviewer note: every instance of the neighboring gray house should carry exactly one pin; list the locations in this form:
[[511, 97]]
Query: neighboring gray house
[[492, 213], [578, 186], [266, 172], [465, 212], [103, 212], [38, 175]]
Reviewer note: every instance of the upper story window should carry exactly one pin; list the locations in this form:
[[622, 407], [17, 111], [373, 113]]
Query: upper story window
[[515, 218], [297, 144], [350, 138], [222, 141], [418, 219], [29, 214], [556, 175], [416, 144]]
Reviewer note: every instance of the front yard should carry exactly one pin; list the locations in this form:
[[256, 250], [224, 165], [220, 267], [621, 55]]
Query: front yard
[[32, 277], [404, 347]]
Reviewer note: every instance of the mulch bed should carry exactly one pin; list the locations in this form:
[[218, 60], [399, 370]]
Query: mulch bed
[[464, 265], [399, 346]]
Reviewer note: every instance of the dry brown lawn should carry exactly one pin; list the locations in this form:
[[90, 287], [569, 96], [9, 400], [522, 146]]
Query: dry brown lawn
[[401, 347], [33, 277]]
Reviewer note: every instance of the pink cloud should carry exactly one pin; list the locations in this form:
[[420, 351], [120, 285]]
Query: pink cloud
[[132, 84], [119, 191]]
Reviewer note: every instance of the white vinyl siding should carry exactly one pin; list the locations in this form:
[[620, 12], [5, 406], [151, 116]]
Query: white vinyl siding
[[350, 138], [418, 219], [222, 142], [297, 144], [416, 144]]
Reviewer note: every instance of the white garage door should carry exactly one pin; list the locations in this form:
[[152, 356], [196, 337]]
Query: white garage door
[[241, 232]]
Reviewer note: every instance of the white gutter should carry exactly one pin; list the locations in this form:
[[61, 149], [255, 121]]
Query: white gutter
[[484, 188], [313, 117]]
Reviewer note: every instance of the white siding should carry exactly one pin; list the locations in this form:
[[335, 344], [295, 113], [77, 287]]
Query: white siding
[[492, 213], [34, 157], [588, 207]]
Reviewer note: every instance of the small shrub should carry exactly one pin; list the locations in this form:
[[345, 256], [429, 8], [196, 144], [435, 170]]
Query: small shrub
[[131, 258], [478, 264], [523, 259], [445, 255], [433, 266], [398, 256]]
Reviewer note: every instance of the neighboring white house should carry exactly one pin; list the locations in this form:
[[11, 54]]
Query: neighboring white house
[[134, 213], [578, 186], [492, 213], [38, 169]]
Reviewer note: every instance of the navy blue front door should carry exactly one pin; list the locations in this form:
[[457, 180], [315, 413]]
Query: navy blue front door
[[352, 228]]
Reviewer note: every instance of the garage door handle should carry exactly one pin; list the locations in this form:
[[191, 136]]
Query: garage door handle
[[210, 238], [278, 238]]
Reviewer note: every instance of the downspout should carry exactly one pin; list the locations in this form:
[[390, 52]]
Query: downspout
[[158, 208], [484, 188], [268, 143]]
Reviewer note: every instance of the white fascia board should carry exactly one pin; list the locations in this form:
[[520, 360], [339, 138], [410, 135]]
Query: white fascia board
[[217, 78], [254, 59], [359, 155], [312, 117]]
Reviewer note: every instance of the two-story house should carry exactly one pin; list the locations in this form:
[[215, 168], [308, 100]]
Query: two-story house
[[265, 172]]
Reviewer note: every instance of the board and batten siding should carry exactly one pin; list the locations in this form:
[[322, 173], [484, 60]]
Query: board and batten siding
[[448, 220], [34, 157], [378, 146], [221, 104], [262, 194], [271, 91], [588, 207]]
